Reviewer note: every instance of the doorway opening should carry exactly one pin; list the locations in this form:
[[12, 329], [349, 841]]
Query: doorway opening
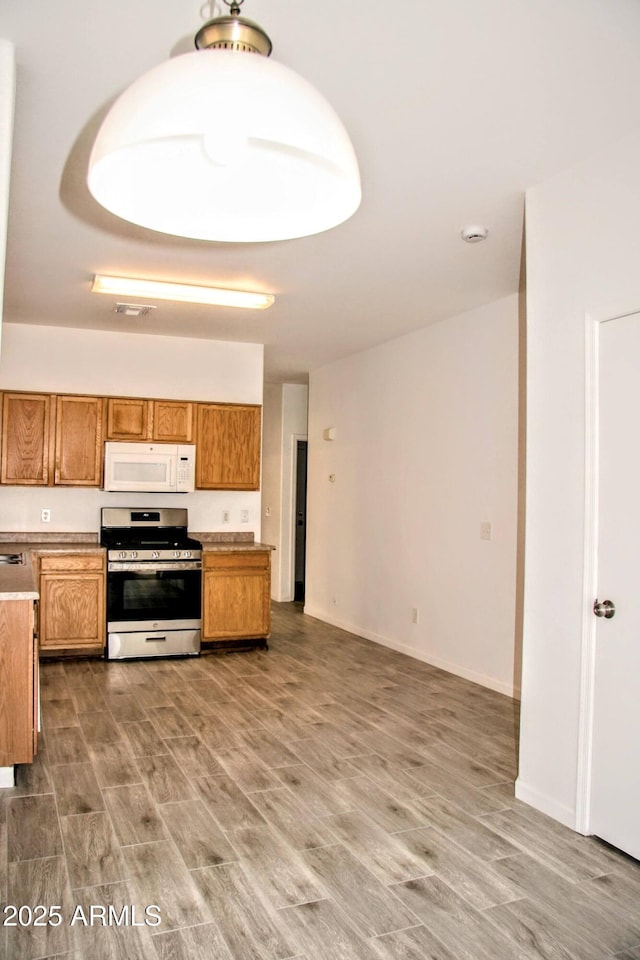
[[300, 539]]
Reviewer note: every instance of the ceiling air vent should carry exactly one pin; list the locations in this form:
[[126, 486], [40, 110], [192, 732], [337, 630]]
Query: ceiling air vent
[[133, 309]]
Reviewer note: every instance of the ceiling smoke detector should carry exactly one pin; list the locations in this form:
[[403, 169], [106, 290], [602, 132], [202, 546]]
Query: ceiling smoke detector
[[474, 234], [133, 309]]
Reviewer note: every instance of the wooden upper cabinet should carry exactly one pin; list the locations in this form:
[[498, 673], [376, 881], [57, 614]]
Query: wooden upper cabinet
[[78, 448], [128, 419], [172, 421], [59, 439], [228, 446], [26, 438]]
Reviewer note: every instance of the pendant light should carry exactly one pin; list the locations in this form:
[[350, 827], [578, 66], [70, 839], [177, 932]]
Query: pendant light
[[225, 144]]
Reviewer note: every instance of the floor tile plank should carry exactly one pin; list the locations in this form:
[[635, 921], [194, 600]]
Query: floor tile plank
[[110, 923], [283, 811], [460, 927], [369, 904], [134, 815], [230, 807], [276, 867], [92, 850], [252, 931], [198, 838], [325, 933], [159, 876], [390, 858], [164, 779], [32, 829], [76, 788]]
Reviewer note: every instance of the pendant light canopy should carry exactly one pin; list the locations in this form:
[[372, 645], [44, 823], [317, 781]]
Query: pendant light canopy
[[225, 144]]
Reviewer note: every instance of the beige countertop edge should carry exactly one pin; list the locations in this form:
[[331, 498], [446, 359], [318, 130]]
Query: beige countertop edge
[[41, 537], [235, 546], [50, 546]]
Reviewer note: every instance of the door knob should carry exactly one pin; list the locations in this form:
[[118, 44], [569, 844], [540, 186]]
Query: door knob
[[604, 608]]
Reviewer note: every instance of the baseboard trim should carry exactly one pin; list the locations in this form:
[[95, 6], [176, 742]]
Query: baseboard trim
[[499, 686], [545, 804]]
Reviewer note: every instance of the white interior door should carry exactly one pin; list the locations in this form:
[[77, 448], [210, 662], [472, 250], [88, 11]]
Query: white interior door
[[615, 783]]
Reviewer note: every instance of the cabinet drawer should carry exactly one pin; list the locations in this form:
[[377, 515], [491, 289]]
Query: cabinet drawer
[[64, 562], [241, 560]]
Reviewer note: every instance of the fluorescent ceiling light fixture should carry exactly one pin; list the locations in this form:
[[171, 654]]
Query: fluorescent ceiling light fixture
[[184, 292], [225, 144]]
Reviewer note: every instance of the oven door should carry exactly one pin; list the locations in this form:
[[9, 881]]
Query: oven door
[[150, 596]]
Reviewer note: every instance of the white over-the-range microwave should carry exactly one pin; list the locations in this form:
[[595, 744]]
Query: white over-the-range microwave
[[149, 467]]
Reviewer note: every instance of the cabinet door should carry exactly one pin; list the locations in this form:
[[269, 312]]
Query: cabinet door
[[72, 610], [228, 447], [128, 419], [173, 421], [17, 717], [78, 456], [236, 596], [26, 434]]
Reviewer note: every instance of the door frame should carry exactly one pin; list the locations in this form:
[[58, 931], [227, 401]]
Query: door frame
[[296, 491], [584, 771], [291, 511]]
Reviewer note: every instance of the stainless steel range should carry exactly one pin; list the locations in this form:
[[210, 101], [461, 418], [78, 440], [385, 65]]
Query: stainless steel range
[[154, 579]]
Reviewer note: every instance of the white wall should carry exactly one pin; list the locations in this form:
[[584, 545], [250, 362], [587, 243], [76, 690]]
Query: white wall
[[583, 251], [285, 420], [425, 449], [89, 361], [7, 100]]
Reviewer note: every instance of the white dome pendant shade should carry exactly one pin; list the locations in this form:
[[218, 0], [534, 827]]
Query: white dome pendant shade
[[226, 145]]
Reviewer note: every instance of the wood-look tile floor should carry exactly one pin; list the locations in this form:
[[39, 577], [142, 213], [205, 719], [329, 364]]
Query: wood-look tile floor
[[329, 799]]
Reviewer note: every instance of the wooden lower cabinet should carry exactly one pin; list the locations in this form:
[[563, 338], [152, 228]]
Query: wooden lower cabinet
[[72, 603], [236, 589], [18, 683]]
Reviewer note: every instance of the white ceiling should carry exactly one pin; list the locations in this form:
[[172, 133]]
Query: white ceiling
[[454, 108]]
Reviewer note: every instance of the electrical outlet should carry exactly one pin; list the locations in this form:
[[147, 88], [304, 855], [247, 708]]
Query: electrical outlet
[[226, 516], [485, 530], [45, 515], [244, 516]]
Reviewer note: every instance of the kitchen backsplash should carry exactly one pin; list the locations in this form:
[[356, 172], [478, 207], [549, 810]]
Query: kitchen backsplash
[[76, 509]]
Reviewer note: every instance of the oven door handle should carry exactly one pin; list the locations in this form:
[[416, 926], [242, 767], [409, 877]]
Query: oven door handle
[[152, 568]]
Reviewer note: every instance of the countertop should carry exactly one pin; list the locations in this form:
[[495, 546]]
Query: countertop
[[18, 582], [222, 542]]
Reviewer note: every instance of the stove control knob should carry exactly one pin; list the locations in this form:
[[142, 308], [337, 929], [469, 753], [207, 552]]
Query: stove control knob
[[122, 555], [187, 554], [133, 554], [155, 554], [176, 554]]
